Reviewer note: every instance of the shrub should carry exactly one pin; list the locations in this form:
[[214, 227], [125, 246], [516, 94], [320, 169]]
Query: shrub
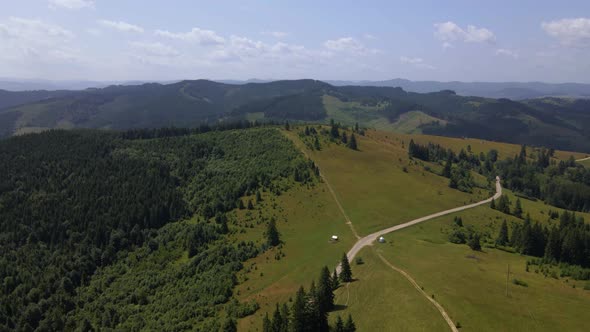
[[519, 282]]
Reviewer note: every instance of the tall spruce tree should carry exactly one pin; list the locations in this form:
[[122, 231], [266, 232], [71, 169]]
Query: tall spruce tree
[[346, 272], [344, 138], [352, 144], [448, 167], [266, 324], [517, 209], [272, 234], [339, 327], [325, 293], [349, 326], [335, 280], [277, 320], [502, 239], [298, 312]]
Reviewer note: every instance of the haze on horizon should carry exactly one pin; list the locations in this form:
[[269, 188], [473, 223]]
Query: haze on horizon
[[418, 40]]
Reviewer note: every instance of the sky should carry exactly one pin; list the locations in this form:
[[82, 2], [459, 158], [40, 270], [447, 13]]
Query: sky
[[329, 40]]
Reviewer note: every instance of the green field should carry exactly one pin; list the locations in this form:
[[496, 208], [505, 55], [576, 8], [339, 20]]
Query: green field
[[307, 218], [383, 300], [349, 113], [376, 192], [586, 162], [472, 285]]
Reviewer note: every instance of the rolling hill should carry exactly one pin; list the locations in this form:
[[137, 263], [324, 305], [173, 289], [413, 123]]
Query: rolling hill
[[554, 122]]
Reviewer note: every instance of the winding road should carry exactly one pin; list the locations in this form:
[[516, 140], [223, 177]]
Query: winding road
[[369, 239]]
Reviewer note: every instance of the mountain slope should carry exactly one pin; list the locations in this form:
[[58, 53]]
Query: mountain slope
[[552, 122]]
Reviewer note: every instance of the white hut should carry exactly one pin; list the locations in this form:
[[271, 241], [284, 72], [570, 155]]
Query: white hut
[[381, 239], [334, 237]]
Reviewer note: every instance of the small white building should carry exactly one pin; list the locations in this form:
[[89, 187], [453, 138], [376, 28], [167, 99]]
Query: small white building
[[381, 239], [334, 237]]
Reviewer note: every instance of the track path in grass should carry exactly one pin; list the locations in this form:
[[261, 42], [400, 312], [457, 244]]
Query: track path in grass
[[583, 159], [369, 239]]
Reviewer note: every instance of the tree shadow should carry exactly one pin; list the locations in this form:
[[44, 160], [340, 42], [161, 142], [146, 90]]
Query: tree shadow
[[339, 307]]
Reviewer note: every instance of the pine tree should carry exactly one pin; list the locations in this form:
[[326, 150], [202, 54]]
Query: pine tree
[[474, 243], [334, 133], [335, 280], [502, 239], [349, 326], [325, 293], [266, 327], [493, 204], [241, 204], [277, 320], [298, 315], [553, 247], [356, 127], [517, 209], [316, 144], [272, 234], [306, 131], [411, 149], [352, 143], [345, 272], [448, 167], [287, 127], [285, 315], [250, 206], [339, 327], [229, 326], [344, 138], [258, 196]]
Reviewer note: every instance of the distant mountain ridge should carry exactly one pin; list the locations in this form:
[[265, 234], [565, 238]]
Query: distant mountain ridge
[[510, 90], [562, 123]]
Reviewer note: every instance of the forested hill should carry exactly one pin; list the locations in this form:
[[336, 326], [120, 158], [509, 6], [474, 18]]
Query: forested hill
[[553, 122], [76, 206]]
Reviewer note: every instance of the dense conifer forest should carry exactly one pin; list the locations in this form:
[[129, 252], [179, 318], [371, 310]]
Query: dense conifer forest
[[91, 221]]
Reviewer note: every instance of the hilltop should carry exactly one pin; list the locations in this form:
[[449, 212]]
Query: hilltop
[[553, 122]]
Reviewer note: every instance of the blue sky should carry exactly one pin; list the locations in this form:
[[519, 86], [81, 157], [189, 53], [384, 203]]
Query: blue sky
[[347, 40]]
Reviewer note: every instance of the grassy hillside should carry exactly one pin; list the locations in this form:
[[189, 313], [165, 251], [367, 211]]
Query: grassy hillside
[[472, 285], [376, 192]]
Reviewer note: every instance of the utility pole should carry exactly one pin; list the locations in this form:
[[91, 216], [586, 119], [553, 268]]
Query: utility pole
[[507, 278]]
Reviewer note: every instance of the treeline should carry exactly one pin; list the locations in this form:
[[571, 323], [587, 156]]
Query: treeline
[[74, 201], [562, 183], [309, 310], [568, 242], [147, 133], [457, 168]]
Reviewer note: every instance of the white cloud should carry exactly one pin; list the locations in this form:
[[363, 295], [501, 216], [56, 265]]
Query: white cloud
[[569, 31], [405, 59], [196, 35], [449, 31], [348, 44], [276, 34], [447, 45], [121, 26], [370, 36], [24, 40], [94, 32], [155, 49], [416, 62], [507, 52], [71, 4]]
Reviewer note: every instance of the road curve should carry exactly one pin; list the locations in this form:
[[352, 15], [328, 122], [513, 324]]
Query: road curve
[[583, 159], [369, 239]]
